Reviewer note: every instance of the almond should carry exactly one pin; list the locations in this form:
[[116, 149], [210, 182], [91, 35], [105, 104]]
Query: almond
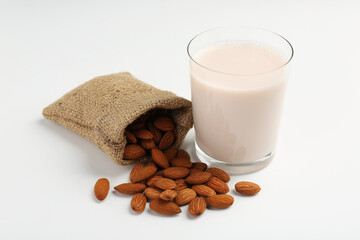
[[130, 188], [180, 184], [184, 196], [194, 170], [199, 165], [176, 172], [160, 158], [164, 207], [166, 141], [151, 163], [130, 137], [218, 185], [144, 173], [138, 203], [183, 154], [165, 183], [171, 153], [133, 151], [164, 124], [197, 206], [220, 201], [150, 181], [198, 178], [143, 134], [101, 188], [219, 173], [203, 190], [147, 143], [181, 162], [135, 171], [155, 132], [168, 195], [247, 188], [152, 193]]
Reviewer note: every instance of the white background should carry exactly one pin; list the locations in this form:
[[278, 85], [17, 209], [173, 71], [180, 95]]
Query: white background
[[47, 173]]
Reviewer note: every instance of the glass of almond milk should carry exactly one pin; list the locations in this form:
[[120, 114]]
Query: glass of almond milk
[[238, 82]]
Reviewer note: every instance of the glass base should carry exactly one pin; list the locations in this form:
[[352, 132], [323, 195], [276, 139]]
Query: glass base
[[234, 168]]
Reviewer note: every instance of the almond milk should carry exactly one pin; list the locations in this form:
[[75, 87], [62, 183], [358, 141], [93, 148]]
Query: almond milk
[[238, 90]]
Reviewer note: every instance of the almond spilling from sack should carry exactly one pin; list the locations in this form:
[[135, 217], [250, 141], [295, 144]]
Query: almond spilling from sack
[[171, 180]]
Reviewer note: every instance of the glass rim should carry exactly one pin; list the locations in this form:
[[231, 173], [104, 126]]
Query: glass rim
[[241, 26]]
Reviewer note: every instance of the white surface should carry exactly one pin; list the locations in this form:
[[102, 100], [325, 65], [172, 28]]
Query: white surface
[[47, 173]]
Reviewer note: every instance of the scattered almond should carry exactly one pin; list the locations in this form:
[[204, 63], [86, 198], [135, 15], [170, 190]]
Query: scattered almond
[[150, 181], [184, 196], [164, 124], [197, 206], [138, 203], [247, 188], [160, 158], [203, 190], [164, 207], [181, 162], [155, 132], [165, 183], [171, 153], [198, 178], [152, 193], [220, 201], [180, 184], [194, 170], [167, 140], [147, 143], [159, 173], [176, 172], [219, 173], [183, 154], [143, 134], [218, 185], [130, 188], [135, 171], [199, 165], [144, 173], [168, 195], [133, 151], [101, 188]]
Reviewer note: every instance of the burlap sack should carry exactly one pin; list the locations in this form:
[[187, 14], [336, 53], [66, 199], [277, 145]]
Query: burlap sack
[[103, 107]]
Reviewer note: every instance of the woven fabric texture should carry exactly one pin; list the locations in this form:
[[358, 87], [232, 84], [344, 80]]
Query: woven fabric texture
[[103, 107]]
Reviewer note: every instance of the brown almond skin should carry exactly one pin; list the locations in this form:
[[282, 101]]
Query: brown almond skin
[[101, 188], [159, 158], [160, 173], [194, 170], [198, 178], [135, 171], [180, 184], [176, 172], [167, 140], [165, 183], [143, 134], [220, 201], [130, 188], [199, 165], [184, 196], [203, 190], [138, 203], [164, 124], [147, 143], [219, 173], [183, 154], [171, 153], [164, 207], [197, 206], [218, 185], [181, 162], [168, 195], [144, 174], [152, 193], [155, 132], [247, 188], [150, 181], [130, 137], [133, 151]]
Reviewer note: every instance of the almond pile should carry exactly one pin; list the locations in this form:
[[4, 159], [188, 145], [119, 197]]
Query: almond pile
[[154, 129]]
